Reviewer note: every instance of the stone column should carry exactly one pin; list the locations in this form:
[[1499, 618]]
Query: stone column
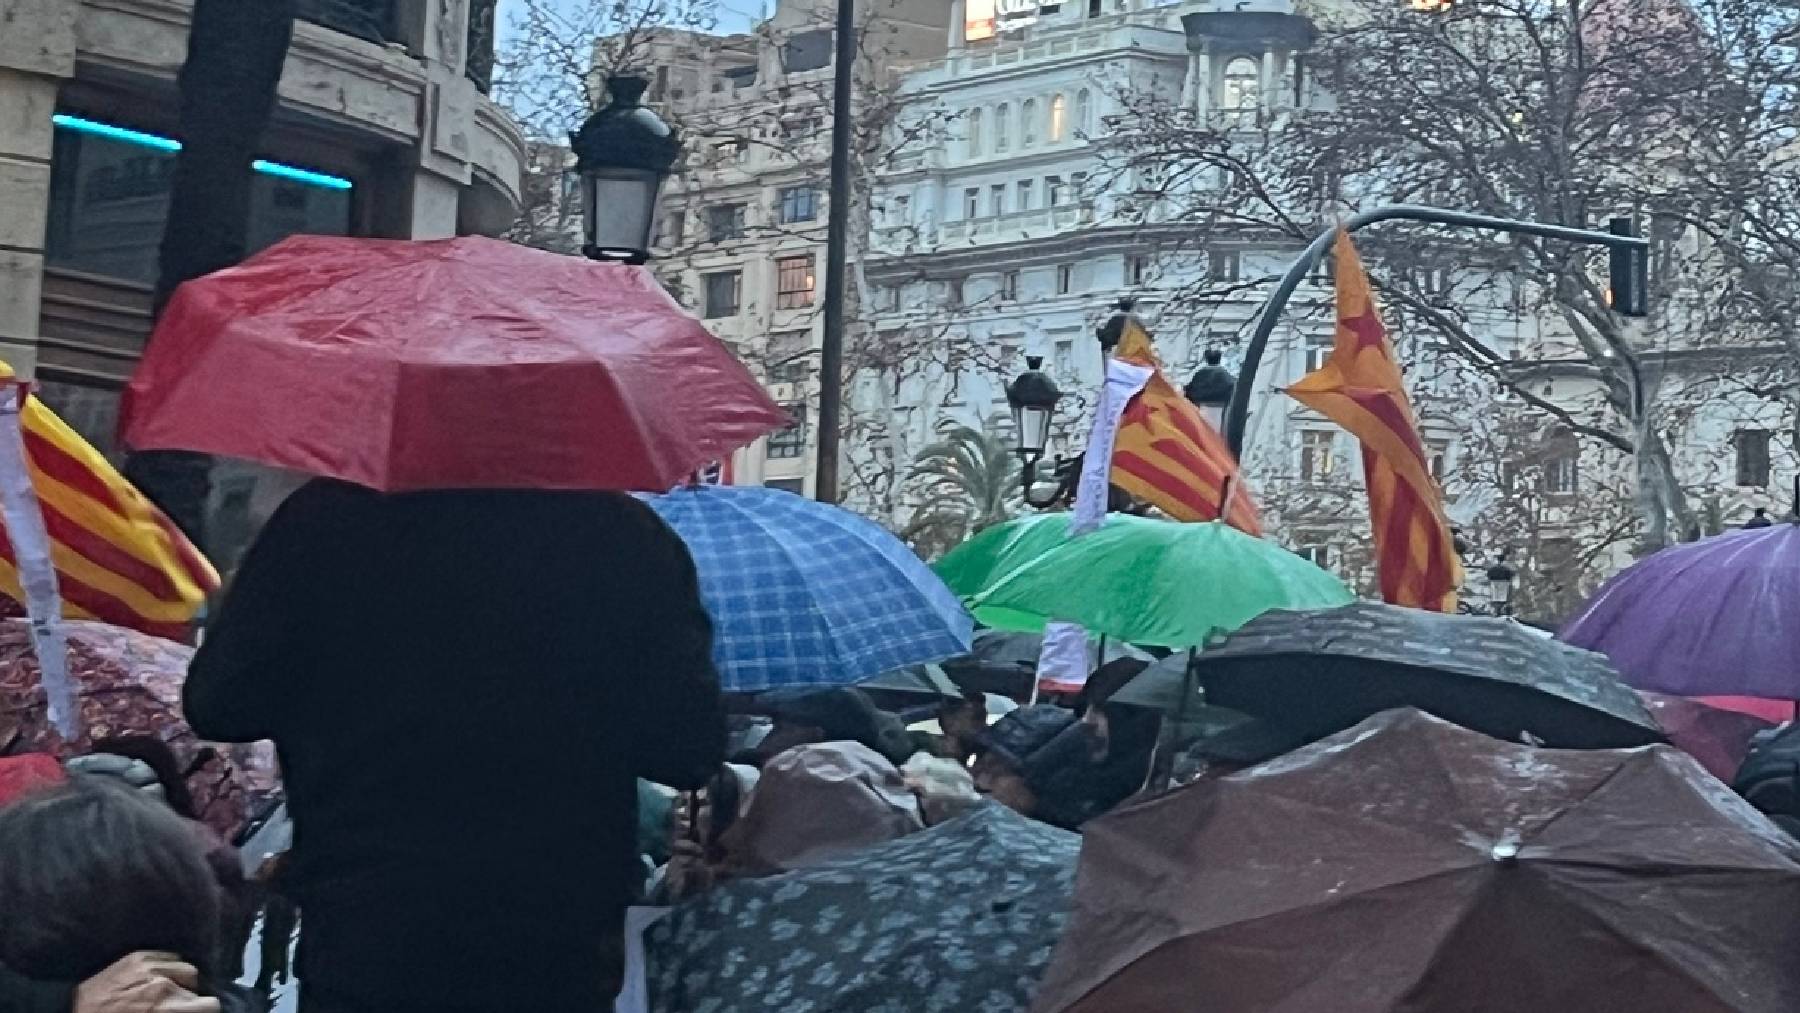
[[958, 13], [37, 51], [1267, 85], [436, 32], [1202, 83]]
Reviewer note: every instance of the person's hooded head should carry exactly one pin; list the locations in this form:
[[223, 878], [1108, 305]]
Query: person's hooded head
[[817, 802], [836, 714], [1018, 751]]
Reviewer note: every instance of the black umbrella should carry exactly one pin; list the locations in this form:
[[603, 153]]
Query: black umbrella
[[913, 686], [959, 917], [1005, 663], [1319, 672]]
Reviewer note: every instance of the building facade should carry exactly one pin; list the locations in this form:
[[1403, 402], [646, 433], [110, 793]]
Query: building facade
[[382, 128]]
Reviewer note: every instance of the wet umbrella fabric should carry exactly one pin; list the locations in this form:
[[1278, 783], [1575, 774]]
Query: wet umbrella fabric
[[1720, 616], [1156, 583], [456, 363], [1718, 738], [129, 683], [803, 593], [960, 917], [1003, 662], [1411, 865], [1320, 672]]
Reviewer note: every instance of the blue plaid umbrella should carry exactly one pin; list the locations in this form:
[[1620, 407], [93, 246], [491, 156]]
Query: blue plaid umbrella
[[806, 594]]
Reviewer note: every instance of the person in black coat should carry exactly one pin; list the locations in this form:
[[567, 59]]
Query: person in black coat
[[463, 687]]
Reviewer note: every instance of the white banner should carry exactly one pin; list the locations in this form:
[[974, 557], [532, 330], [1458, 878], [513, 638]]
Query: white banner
[[1063, 660], [37, 574], [1123, 381]]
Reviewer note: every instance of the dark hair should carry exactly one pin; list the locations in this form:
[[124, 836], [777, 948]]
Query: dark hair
[[724, 796], [91, 871], [155, 754]]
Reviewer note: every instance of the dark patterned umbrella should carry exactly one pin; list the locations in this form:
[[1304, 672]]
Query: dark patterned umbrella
[[961, 917], [1319, 672], [129, 683]]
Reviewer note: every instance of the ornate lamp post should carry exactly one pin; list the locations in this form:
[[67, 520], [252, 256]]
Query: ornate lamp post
[[1032, 395], [1501, 580], [1210, 389], [623, 153]]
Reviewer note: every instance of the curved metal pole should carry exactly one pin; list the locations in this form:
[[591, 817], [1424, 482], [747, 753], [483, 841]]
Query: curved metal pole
[[1237, 414]]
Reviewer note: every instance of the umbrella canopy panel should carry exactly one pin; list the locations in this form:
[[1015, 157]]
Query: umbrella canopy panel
[[458, 363], [1720, 616], [1156, 583], [960, 917], [806, 594], [129, 683], [1409, 865], [1321, 672]]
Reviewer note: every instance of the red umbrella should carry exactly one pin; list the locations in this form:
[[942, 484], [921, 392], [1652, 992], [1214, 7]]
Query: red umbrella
[[460, 363], [1718, 738], [129, 683]]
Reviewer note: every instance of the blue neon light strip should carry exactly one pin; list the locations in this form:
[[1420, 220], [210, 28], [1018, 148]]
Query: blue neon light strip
[[138, 137]]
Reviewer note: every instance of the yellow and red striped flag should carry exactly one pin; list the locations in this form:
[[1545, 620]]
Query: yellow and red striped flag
[[1360, 388], [1168, 456], [117, 557]]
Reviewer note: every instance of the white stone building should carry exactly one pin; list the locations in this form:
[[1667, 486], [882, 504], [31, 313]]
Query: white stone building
[[742, 238]]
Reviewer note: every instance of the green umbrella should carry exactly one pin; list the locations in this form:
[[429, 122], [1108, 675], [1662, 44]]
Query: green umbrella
[[1156, 583], [978, 563]]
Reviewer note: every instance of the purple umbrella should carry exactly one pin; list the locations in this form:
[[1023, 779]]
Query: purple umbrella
[[1719, 616]]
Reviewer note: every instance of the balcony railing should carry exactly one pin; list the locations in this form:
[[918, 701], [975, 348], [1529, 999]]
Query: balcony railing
[[1021, 224]]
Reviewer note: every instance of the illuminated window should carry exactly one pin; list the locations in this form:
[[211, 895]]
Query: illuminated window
[[1242, 85], [1059, 126], [1317, 461], [794, 282]]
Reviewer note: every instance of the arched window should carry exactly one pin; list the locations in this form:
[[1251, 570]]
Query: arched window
[[1002, 114], [1242, 89], [1084, 112], [974, 133], [1028, 123], [1059, 119]]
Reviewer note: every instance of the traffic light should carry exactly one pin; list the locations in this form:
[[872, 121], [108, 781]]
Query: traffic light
[[1629, 268]]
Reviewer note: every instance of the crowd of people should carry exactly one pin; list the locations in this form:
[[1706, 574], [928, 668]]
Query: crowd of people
[[499, 726]]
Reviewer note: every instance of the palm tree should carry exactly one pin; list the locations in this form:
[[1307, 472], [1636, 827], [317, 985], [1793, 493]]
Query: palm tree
[[970, 480]]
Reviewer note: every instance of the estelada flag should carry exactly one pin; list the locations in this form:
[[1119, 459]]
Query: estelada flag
[[118, 558], [1360, 388], [1168, 456]]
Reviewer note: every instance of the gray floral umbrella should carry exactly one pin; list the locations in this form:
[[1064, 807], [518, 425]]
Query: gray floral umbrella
[[961, 917]]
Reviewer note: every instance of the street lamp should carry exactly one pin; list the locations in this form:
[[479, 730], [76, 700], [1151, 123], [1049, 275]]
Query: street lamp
[[622, 154], [1210, 389], [1500, 586], [1032, 396]]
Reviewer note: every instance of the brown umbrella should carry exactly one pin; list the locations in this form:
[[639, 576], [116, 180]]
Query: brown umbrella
[[1411, 865], [129, 683]]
